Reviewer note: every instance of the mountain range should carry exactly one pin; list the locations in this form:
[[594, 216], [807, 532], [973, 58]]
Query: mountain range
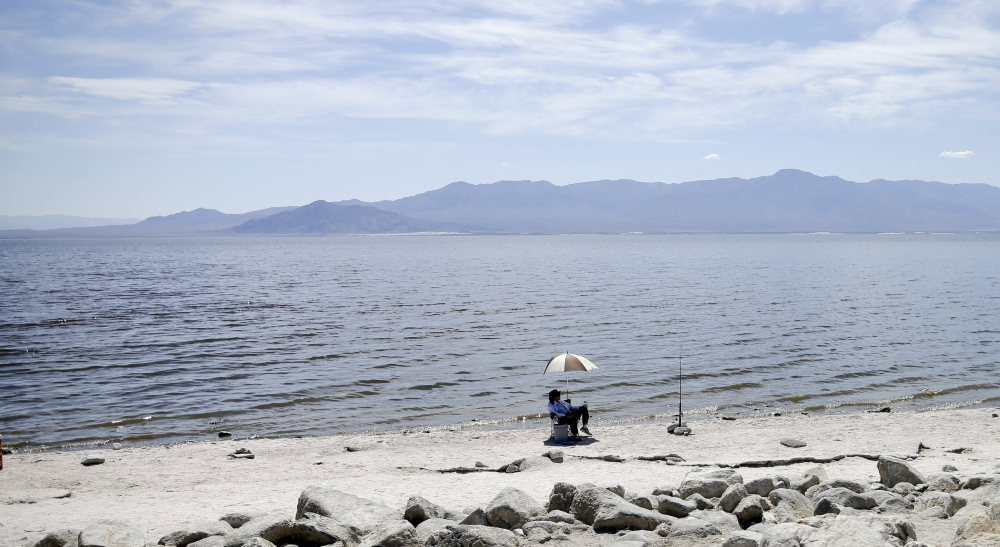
[[787, 201]]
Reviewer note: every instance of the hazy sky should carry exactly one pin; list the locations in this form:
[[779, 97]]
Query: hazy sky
[[137, 108]]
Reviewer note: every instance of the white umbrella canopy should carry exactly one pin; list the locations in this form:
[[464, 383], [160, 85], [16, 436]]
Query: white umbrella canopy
[[568, 362]]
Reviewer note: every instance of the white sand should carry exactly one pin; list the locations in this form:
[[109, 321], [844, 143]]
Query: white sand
[[161, 489]]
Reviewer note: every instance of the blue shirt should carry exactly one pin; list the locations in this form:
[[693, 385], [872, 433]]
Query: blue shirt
[[560, 408]]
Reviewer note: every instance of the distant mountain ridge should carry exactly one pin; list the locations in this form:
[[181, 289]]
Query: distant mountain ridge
[[787, 201]]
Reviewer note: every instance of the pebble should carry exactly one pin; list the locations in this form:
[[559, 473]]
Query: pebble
[[242, 453], [116, 446], [223, 434], [793, 443]]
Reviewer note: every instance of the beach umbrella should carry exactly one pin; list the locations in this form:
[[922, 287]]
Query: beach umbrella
[[568, 362]]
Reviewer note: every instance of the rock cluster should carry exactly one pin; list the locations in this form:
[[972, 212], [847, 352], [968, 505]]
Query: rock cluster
[[772, 511]]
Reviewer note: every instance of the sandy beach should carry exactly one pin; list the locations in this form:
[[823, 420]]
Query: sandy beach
[[161, 489]]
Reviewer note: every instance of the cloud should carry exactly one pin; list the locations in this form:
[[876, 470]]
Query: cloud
[[957, 155], [150, 90], [712, 157]]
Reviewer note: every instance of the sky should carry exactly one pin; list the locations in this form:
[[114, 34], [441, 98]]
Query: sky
[[138, 108]]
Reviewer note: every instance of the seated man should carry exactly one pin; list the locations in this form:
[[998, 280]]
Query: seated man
[[568, 414]]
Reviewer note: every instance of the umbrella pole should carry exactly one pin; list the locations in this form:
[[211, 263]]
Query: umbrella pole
[[680, 391]]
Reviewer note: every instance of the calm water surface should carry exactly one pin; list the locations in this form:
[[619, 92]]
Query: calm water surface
[[167, 340]]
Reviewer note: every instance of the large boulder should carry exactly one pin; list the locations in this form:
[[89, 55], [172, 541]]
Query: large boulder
[[846, 498], [691, 527], [111, 533], [743, 538], [732, 497], [182, 538], [789, 505], [951, 504], [763, 486], [542, 530], [981, 530], [750, 510], [477, 536], [430, 527], [68, 537], [722, 521], [316, 529], [392, 533], [894, 470], [605, 511], [943, 482], [476, 518], [814, 492], [561, 496], [511, 508], [359, 513], [710, 484], [675, 507], [856, 531], [275, 527], [419, 509]]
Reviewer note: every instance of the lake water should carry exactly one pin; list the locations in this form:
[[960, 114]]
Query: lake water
[[169, 340]]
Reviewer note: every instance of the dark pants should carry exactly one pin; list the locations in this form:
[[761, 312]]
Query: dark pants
[[572, 417]]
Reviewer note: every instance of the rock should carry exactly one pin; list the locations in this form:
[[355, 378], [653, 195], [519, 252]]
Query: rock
[[934, 512], [981, 529], [669, 490], [116, 446], [732, 497], [480, 464], [723, 521], [419, 509], [943, 482], [762, 486], [710, 484], [895, 506], [210, 541], [68, 537], [561, 497], [224, 434], [949, 468], [476, 518], [646, 502], [882, 496], [360, 514], [242, 454], [511, 508], [894, 470], [681, 431], [63, 495], [543, 530], [642, 537], [951, 504], [693, 528], [184, 537], [313, 529], [750, 510], [846, 498], [675, 507], [743, 538], [257, 542], [393, 533], [111, 533], [239, 518], [455, 516], [826, 506], [903, 488], [474, 536], [92, 459], [617, 490], [815, 492], [274, 527], [978, 481], [805, 483], [793, 443], [523, 464], [556, 516], [605, 511], [700, 501], [554, 455], [789, 505], [432, 526], [855, 531]]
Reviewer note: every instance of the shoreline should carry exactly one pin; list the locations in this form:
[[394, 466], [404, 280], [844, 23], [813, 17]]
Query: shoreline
[[163, 488], [529, 421]]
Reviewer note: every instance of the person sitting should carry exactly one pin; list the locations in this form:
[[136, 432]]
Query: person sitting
[[568, 414]]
